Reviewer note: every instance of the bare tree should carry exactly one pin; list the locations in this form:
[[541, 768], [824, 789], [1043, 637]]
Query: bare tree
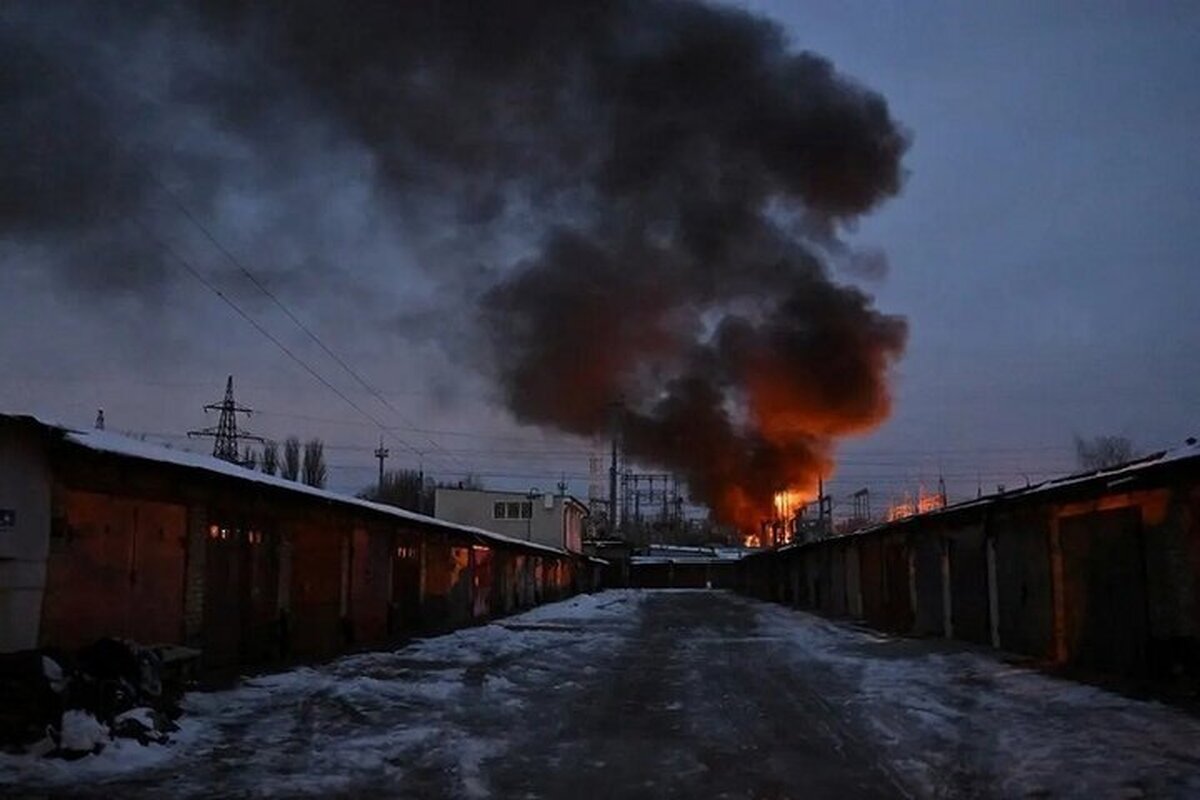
[[403, 488], [270, 458], [1101, 452], [249, 458], [314, 463], [290, 469]]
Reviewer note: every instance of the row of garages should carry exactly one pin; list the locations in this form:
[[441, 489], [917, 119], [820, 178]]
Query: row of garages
[[1099, 572], [104, 536]]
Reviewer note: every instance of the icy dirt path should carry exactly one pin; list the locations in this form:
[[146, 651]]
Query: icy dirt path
[[653, 694], [416, 722], [955, 722]]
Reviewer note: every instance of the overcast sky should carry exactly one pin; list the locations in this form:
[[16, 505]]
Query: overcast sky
[[1042, 250]]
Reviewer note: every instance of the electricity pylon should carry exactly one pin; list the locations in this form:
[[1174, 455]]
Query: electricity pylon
[[226, 434]]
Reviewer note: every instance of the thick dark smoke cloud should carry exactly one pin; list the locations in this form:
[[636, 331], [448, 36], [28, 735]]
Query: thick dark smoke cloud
[[661, 181]]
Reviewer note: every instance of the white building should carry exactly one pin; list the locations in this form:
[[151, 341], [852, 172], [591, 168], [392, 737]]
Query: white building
[[556, 520]]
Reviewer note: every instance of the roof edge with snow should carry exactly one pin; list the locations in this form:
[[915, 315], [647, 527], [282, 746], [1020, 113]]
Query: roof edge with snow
[[1113, 477], [116, 444]]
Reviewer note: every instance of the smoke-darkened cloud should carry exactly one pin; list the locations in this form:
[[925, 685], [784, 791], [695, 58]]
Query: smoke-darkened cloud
[[653, 186]]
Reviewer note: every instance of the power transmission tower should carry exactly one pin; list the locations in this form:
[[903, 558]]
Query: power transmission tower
[[226, 434], [824, 509], [645, 529], [862, 507]]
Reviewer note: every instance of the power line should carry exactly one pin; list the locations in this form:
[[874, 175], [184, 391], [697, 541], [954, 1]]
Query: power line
[[79, 88], [849, 471], [280, 304], [991, 452], [76, 378], [195, 273]]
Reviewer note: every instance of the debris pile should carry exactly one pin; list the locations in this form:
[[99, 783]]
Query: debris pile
[[53, 704]]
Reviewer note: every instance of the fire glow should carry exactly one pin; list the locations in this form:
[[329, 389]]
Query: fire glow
[[639, 204], [788, 502], [911, 505], [695, 292], [779, 529]]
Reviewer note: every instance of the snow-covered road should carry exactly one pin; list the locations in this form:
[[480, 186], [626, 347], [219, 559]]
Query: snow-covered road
[[653, 694]]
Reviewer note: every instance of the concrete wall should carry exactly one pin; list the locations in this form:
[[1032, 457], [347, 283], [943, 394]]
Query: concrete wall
[[24, 534], [574, 519]]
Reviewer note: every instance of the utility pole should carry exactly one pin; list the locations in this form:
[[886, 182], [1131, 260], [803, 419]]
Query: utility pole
[[421, 483], [824, 509], [226, 435], [628, 508], [615, 424], [637, 502], [665, 517], [381, 453], [676, 505]]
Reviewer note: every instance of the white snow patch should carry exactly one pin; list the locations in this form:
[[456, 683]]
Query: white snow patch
[[471, 754], [119, 758], [81, 732], [143, 716], [363, 720], [118, 444], [944, 718]]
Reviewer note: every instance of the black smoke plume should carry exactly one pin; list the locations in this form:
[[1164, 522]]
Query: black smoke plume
[[659, 184]]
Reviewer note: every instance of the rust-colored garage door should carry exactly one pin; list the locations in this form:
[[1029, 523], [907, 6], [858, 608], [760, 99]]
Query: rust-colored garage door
[[1104, 590], [241, 590]]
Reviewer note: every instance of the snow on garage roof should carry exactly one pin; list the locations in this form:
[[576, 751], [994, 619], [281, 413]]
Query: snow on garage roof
[[1112, 476], [124, 446]]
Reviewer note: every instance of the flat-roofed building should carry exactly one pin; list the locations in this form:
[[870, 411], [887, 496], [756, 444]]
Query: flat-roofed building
[[556, 520]]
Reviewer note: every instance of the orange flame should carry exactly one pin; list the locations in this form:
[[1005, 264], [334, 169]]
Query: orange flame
[[909, 506], [778, 530]]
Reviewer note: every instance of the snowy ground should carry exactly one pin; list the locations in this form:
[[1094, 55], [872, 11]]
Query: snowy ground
[[652, 694], [951, 722]]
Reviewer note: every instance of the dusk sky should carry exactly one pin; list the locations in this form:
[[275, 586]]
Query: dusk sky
[[1041, 248]]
